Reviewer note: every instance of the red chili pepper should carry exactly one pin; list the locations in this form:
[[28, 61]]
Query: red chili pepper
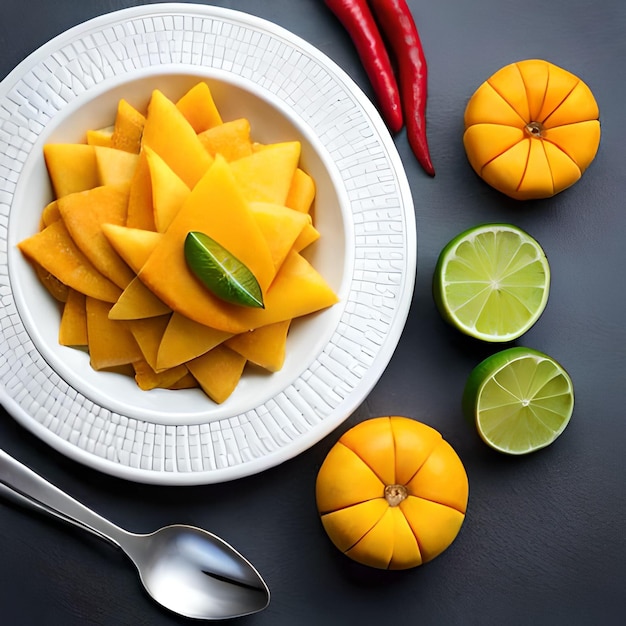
[[397, 24], [357, 19]]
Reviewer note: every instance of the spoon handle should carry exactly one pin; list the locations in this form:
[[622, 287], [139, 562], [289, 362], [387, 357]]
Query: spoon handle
[[25, 486]]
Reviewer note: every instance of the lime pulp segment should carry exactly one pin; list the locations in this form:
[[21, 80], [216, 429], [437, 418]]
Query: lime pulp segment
[[521, 400], [492, 282]]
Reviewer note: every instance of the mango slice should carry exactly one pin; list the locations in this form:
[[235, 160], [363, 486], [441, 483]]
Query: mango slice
[[199, 109], [110, 342], [84, 213], [184, 340], [265, 346], [128, 128], [171, 136], [266, 175], [54, 249], [71, 167], [230, 139], [218, 372], [73, 327], [301, 192]]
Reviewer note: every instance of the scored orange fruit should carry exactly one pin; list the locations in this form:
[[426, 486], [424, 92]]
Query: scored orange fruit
[[531, 129], [392, 493]]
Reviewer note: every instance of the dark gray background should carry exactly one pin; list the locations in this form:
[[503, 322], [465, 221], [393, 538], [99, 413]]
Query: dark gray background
[[544, 539]]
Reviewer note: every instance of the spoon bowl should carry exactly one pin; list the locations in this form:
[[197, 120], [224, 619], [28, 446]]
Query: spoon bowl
[[188, 570]]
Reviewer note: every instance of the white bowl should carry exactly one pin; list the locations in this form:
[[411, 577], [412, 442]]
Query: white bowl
[[363, 209], [332, 255]]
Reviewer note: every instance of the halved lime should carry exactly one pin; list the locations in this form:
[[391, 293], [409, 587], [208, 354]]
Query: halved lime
[[221, 272], [520, 400], [492, 282]]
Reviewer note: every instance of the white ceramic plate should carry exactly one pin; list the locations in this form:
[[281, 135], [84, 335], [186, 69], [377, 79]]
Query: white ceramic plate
[[367, 250]]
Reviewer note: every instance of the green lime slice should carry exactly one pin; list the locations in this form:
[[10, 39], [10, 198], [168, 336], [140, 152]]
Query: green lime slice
[[492, 282], [520, 400], [221, 272]]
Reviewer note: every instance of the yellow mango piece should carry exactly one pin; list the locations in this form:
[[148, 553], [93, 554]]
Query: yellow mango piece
[[218, 372], [309, 235], [100, 136], [137, 302], [171, 136], [579, 141], [297, 290], [54, 249], [199, 109], [50, 213], [148, 334], [147, 378], [186, 382], [265, 346], [73, 327], [52, 284], [485, 142], [115, 167], [487, 106], [140, 206], [169, 192], [301, 192], [280, 227], [184, 340], [230, 139], [84, 214], [128, 128], [134, 245], [72, 167], [110, 342], [216, 208], [266, 175]]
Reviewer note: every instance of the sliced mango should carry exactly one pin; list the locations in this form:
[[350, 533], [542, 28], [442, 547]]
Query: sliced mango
[[301, 192], [128, 128], [169, 192], [54, 249], [184, 340], [199, 109], [172, 137], [137, 302], [115, 167], [134, 245], [72, 167], [110, 342], [230, 139], [265, 346], [84, 213], [73, 327], [266, 175], [218, 372]]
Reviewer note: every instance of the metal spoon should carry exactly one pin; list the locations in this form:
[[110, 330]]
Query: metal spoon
[[188, 570]]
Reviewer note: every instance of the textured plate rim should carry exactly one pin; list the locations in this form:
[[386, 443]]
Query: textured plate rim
[[383, 277]]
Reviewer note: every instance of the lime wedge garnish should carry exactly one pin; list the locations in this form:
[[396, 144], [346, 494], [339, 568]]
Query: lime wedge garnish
[[492, 282], [520, 400], [221, 272]]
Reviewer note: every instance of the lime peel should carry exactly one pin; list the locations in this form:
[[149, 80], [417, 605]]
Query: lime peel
[[492, 282], [520, 400], [221, 272]]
